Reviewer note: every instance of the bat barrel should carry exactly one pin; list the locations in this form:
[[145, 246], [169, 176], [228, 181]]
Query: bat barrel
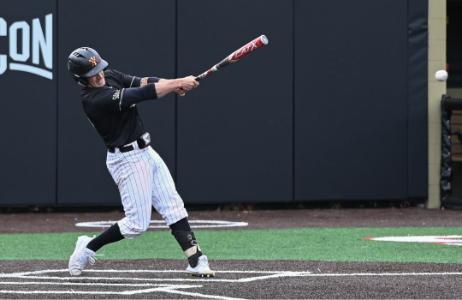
[[264, 39], [240, 53]]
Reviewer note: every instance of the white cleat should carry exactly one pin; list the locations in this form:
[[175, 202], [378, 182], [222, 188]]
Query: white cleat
[[202, 269], [82, 256]]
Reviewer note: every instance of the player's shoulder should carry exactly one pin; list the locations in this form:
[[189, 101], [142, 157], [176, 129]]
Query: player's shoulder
[[113, 73], [90, 94], [110, 72], [116, 78]]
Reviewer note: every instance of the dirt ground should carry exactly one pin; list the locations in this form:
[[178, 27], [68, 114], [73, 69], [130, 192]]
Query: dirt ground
[[380, 217], [165, 279], [235, 280]]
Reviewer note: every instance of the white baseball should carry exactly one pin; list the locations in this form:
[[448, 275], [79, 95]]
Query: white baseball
[[441, 75]]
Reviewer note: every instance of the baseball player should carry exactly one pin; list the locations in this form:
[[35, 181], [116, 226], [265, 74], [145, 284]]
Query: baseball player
[[110, 99]]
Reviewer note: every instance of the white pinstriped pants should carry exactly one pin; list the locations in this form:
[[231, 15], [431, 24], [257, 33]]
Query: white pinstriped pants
[[144, 181]]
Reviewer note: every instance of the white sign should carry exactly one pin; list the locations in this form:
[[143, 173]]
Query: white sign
[[30, 47]]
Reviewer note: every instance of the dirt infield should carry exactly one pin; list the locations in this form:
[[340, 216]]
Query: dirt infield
[[146, 279], [65, 222]]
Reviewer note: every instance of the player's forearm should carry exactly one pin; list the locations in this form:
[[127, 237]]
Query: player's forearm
[[167, 86], [162, 87]]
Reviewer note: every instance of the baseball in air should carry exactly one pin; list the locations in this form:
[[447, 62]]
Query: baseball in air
[[441, 75]]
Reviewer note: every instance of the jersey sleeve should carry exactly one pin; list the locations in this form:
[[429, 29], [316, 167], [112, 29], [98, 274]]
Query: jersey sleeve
[[130, 81], [134, 95], [115, 100], [126, 80], [107, 99]]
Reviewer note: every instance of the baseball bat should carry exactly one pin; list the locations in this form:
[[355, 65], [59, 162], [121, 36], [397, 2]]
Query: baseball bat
[[236, 55]]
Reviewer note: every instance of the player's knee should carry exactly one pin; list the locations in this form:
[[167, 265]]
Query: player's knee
[[136, 230], [133, 233]]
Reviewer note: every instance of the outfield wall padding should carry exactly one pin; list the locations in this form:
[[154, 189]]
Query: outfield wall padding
[[335, 107]]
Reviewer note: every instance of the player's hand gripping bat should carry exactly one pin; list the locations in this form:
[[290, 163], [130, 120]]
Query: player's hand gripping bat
[[236, 55]]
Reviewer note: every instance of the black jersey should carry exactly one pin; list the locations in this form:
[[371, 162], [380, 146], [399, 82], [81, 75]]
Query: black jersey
[[116, 119]]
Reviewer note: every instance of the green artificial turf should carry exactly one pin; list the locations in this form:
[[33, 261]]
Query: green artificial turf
[[321, 244]]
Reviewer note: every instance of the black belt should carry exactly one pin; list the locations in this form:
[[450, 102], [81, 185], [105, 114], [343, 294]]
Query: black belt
[[141, 144]]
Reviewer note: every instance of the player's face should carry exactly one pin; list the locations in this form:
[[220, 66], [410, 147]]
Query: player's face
[[97, 80]]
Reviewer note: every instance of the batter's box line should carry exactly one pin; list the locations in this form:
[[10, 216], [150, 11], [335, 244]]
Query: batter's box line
[[173, 288], [144, 271], [271, 275], [163, 288], [166, 288], [170, 289], [105, 284]]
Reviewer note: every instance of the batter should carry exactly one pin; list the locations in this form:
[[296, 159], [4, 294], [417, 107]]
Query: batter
[[109, 99]]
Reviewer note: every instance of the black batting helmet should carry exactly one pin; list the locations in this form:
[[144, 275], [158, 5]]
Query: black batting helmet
[[85, 62]]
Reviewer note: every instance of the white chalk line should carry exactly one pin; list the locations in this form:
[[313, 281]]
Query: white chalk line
[[173, 291], [278, 275], [194, 224], [240, 280], [173, 271], [88, 284], [125, 279], [59, 292], [385, 274], [133, 292], [272, 274], [140, 271], [166, 288]]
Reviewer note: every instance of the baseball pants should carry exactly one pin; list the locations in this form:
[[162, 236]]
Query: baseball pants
[[144, 181]]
